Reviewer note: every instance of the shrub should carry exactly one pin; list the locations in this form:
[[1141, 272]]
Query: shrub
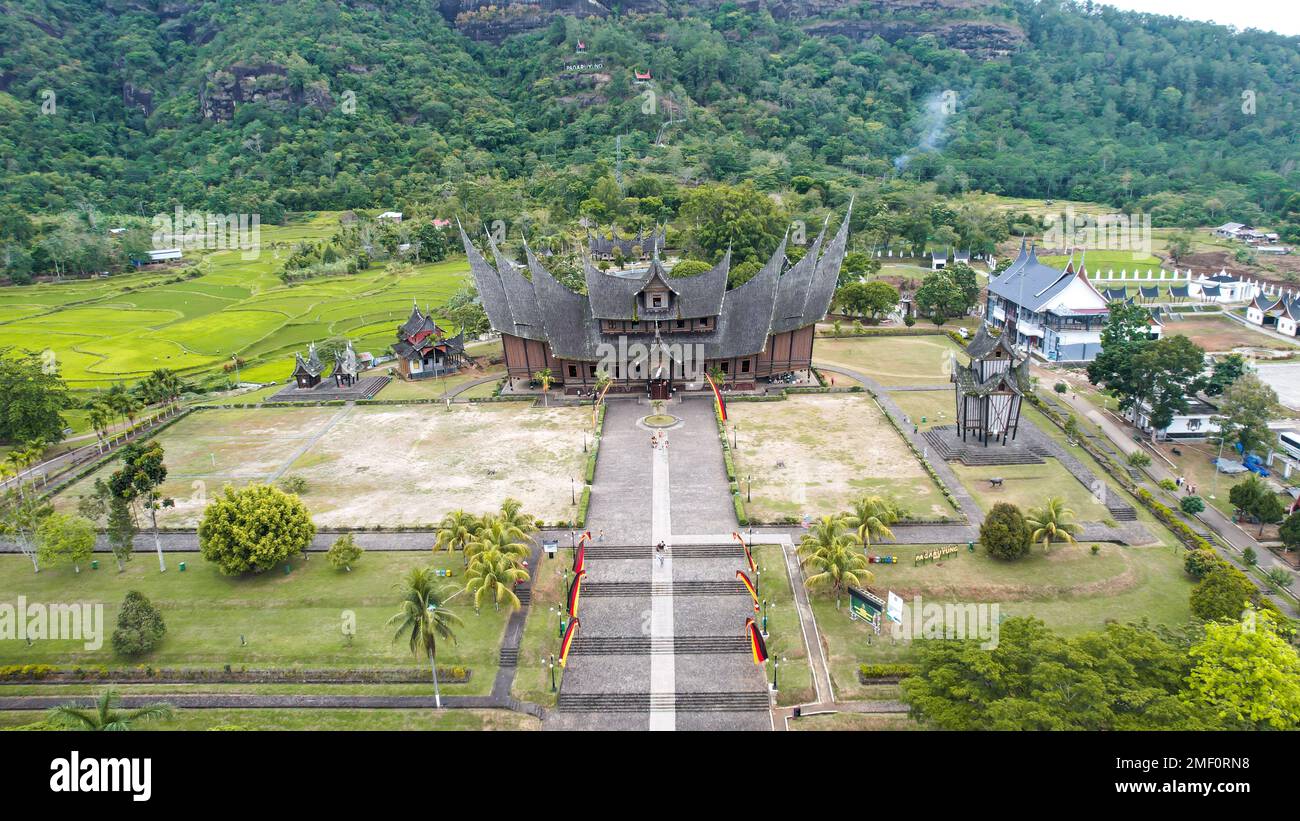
[[253, 529], [1169, 485], [1005, 534], [344, 553], [1222, 595], [1248, 556], [1199, 563], [139, 626], [1061, 387], [1192, 505], [294, 484], [1138, 459]]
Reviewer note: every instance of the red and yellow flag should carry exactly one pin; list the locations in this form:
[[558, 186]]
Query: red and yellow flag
[[575, 591], [757, 647], [753, 594], [570, 633], [717, 394], [580, 554], [749, 556]]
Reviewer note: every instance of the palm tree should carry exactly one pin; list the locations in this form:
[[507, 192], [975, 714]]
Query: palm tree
[[838, 564], [104, 717], [1051, 523], [494, 573], [424, 618], [872, 516], [497, 535], [98, 420], [456, 531], [513, 517], [821, 533]]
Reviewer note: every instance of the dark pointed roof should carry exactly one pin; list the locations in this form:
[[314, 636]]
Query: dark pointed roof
[[543, 308], [1014, 379], [311, 365], [346, 362], [986, 343]]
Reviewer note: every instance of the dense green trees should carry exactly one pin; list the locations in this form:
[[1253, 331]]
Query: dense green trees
[[33, 397], [373, 106], [253, 529], [1125, 677]]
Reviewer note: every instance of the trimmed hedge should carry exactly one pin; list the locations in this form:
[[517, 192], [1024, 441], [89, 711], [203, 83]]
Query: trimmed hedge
[[884, 673]]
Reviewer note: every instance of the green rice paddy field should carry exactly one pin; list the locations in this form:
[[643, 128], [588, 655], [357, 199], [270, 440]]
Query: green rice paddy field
[[120, 328]]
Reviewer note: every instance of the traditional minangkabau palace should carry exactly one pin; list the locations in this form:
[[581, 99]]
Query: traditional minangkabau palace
[[649, 331]]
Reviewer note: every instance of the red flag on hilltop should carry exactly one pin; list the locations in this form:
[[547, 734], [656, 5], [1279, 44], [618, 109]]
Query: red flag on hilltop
[[575, 591], [569, 635], [749, 556], [753, 594], [757, 647], [717, 394]]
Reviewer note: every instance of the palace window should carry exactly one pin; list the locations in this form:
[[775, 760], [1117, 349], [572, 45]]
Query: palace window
[[726, 367], [681, 323], [591, 371], [657, 301], [573, 371], [744, 366], [704, 323]]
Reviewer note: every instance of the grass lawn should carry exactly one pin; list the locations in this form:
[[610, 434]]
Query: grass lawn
[[854, 722], [1069, 588], [541, 637], [935, 407], [386, 465], [814, 454], [785, 637], [1029, 486], [319, 719], [429, 388], [892, 360], [287, 620], [1218, 334]]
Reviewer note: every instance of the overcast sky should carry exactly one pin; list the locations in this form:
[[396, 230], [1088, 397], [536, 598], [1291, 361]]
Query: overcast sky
[[1282, 16]]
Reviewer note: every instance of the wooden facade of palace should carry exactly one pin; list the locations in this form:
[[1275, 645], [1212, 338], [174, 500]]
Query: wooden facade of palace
[[649, 331]]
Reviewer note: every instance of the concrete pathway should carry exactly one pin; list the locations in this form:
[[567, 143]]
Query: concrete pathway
[[663, 666]]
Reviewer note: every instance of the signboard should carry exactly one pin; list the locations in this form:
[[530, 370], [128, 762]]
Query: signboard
[[894, 611], [865, 605], [550, 546]]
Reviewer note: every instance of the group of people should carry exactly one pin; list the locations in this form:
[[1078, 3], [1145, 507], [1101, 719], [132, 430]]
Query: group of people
[[658, 441], [1186, 486]]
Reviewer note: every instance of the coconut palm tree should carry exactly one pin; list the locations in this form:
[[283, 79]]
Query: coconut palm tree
[[512, 516], [1052, 523], [837, 564], [496, 535], [494, 574], [872, 516], [103, 716], [424, 618], [456, 531], [821, 533]]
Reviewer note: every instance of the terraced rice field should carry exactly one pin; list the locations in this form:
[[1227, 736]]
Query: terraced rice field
[[120, 328]]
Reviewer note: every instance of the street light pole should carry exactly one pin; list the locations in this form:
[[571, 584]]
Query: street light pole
[[552, 672], [1215, 488]]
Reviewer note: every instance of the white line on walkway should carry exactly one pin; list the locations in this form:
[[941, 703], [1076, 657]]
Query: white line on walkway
[[663, 666]]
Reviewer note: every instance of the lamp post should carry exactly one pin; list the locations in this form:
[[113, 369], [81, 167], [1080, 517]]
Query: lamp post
[[1215, 487], [764, 630], [749, 490], [573, 491], [775, 665], [735, 435], [552, 665]]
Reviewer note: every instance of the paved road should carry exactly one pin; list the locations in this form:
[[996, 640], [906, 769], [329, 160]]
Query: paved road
[[1211, 518]]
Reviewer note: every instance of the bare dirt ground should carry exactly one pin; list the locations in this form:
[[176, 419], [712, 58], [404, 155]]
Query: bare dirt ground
[[375, 465], [1212, 261], [1218, 334], [812, 455]]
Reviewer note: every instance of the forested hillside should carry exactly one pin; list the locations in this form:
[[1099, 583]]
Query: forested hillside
[[134, 106]]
